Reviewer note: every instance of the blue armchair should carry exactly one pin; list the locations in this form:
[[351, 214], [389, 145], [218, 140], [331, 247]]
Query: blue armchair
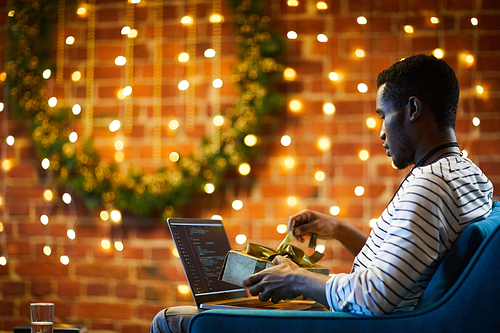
[[462, 296]]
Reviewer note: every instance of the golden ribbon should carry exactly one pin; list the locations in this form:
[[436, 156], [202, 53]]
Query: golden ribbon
[[295, 253]]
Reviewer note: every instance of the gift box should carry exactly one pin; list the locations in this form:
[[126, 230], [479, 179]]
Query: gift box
[[238, 265]]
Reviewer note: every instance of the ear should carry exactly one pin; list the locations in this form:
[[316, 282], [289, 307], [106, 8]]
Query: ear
[[414, 108]]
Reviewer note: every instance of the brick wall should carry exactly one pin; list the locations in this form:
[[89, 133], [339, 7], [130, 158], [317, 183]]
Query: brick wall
[[122, 291]]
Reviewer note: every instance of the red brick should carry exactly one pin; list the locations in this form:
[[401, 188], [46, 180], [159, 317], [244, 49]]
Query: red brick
[[41, 288], [41, 269], [104, 310], [126, 290], [6, 307], [102, 270], [133, 253], [68, 288], [97, 289], [13, 288], [148, 312]]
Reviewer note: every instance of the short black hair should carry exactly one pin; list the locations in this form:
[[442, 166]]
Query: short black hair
[[430, 79]]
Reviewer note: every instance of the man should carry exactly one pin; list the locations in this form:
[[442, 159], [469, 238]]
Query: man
[[444, 192]]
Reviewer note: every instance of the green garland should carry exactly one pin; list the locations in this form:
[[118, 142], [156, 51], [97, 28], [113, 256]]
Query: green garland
[[101, 184]]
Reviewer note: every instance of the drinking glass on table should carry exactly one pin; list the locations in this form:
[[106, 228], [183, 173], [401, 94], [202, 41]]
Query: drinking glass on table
[[42, 317]]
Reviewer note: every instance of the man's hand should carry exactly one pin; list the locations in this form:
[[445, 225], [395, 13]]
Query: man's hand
[[307, 222], [275, 283], [326, 227], [287, 280]]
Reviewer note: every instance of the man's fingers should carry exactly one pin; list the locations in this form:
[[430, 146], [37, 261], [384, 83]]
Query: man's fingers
[[252, 279]]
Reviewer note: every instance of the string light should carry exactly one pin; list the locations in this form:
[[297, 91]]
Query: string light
[[371, 123], [187, 20], [237, 204], [11, 13], [286, 140], [173, 124], [71, 234], [133, 33], [465, 153], [114, 125], [104, 215], [125, 30], [364, 155], [289, 74], [244, 169], [373, 223], [119, 145], [217, 83], [292, 3], [1, 106], [209, 188], [434, 20], [291, 201], [47, 250], [361, 20], [240, 239], [120, 61], [479, 89], [70, 40], [324, 143], [329, 108], [64, 260], [408, 29], [46, 74], [174, 157], [76, 76], [281, 228], [209, 53], [66, 198], [116, 216], [322, 38], [73, 136], [81, 11], [119, 246], [335, 210], [216, 18], [476, 121], [291, 34], [438, 53], [333, 76], [250, 140], [183, 85], [127, 91], [360, 53], [216, 217], [76, 109], [7, 164], [52, 102], [295, 105], [10, 140], [289, 162], [320, 176], [48, 195], [3, 76], [44, 219], [321, 5], [359, 191], [45, 163], [218, 120], [184, 57], [175, 252], [105, 244], [474, 21], [362, 88]]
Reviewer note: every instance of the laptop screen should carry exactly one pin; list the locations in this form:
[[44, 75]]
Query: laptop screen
[[202, 247]]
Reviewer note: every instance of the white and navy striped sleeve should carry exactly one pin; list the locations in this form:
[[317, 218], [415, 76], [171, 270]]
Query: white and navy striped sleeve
[[410, 239]]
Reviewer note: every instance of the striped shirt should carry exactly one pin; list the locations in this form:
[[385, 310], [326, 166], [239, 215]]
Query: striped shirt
[[430, 209]]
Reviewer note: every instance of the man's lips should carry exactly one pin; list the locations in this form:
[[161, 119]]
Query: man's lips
[[387, 152]]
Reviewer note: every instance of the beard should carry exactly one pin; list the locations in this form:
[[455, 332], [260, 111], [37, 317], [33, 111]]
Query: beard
[[404, 155]]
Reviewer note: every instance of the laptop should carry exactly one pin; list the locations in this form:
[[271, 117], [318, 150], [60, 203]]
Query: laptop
[[202, 246]]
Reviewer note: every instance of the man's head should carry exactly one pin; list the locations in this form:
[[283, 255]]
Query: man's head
[[429, 79]]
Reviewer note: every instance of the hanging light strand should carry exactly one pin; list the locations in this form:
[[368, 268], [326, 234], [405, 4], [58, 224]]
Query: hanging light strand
[[129, 67], [60, 40], [191, 67], [216, 72], [89, 111], [157, 80]]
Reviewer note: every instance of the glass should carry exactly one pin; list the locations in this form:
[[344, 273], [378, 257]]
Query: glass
[[42, 317]]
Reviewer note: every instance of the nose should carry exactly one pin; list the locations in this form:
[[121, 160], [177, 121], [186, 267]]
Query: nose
[[382, 131]]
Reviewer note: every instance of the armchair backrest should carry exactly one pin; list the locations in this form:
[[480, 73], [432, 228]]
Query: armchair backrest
[[459, 256]]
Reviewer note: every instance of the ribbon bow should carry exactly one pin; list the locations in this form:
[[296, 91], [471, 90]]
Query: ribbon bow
[[295, 253]]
